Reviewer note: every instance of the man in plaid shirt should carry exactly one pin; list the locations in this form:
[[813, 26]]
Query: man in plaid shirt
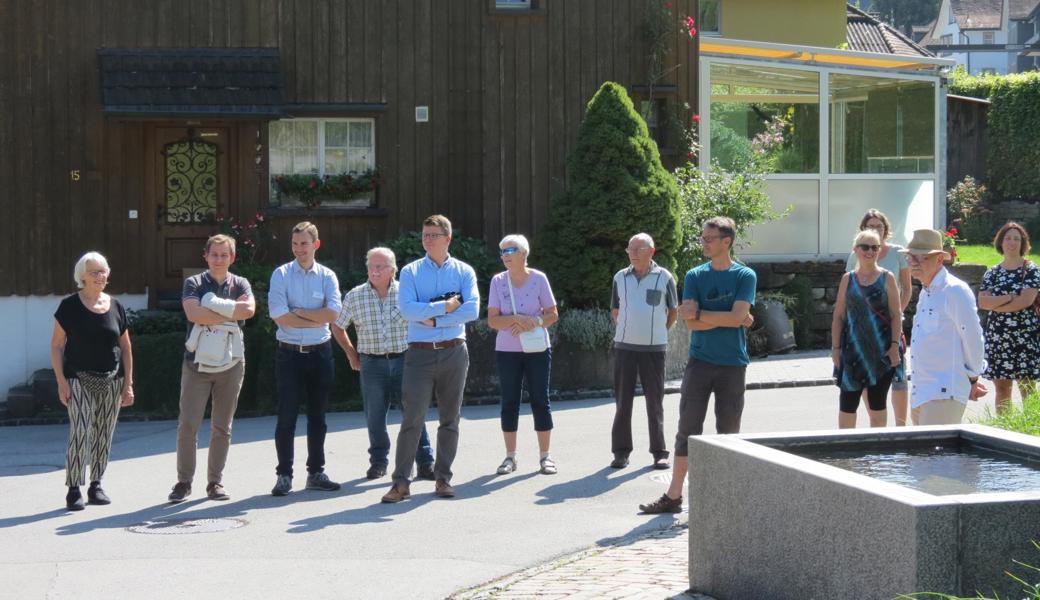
[[381, 343]]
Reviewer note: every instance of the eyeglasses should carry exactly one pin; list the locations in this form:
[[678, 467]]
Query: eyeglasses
[[433, 236], [98, 273], [868, 247], [509, 250]]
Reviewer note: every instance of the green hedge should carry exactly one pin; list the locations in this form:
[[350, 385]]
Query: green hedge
[[1012, 154]]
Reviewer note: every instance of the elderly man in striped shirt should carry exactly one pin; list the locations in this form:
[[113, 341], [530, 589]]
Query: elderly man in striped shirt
[[381, 343]]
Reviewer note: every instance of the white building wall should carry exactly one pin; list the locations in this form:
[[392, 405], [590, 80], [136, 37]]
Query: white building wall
[[25, 334]]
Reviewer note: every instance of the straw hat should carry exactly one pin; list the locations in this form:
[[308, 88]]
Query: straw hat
[[925, 241]]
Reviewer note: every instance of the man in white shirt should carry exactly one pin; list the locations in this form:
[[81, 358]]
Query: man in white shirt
[[946, 347]]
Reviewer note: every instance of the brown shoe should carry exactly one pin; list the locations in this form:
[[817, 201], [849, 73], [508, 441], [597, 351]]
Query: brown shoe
[[398, 492], [443, 490], [215, 491], [664, 504]]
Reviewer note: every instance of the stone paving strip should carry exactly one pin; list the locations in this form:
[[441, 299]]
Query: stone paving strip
[[642, 567]]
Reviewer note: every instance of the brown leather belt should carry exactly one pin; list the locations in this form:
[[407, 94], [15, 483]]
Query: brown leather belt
[[303, 349], [437, 345]]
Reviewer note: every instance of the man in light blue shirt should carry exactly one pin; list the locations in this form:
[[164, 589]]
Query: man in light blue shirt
[[303, 299], [437, 295]]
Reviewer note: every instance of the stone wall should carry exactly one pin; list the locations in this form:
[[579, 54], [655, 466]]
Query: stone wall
[[1015, 210], [824, 278]]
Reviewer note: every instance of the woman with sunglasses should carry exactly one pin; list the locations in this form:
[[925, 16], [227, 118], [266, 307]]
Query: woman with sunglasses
[[520, 300], [865, 333], [891, 259]]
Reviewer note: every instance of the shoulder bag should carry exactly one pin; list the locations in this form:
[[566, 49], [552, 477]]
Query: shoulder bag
[[531, 341]]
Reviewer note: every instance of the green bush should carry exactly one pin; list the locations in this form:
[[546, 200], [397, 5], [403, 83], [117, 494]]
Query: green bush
[[157, 368], [156, 321], [616, 187], [590, 328], [1013, 123], [801, 309], [979, 227], [1033, 228]]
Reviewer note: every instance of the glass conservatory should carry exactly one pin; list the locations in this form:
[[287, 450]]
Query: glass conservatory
[[860, 130]]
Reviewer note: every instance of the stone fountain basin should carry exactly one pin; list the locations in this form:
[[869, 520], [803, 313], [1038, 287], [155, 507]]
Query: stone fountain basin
[[766, 523]]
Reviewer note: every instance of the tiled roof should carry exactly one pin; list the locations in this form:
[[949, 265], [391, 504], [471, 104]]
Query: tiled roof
[[191, 81], [1021, 9], [867, 34], [977, 14]]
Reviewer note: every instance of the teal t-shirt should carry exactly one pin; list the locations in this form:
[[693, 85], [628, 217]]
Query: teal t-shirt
[[717, 291]]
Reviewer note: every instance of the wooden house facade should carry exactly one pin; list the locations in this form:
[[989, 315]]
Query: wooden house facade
[[465, 107]]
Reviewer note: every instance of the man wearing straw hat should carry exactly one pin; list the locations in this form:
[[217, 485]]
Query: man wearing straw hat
[[946, 347]]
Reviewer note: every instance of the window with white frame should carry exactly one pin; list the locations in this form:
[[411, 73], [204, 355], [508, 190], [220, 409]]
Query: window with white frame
[[326, 162], [987, 37], [709, 19]]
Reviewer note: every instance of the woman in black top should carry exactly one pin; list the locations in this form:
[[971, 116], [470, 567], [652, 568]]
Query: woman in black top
[[93, 363]]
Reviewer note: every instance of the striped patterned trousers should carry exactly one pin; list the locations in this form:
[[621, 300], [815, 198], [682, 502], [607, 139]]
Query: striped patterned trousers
[[93, 412]]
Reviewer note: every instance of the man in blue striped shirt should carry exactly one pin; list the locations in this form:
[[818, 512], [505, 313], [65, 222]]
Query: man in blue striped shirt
[[437, 295], [303, 299]]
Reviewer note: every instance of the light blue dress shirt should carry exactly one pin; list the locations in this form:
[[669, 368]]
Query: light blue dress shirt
[[291, 288], [421, 280]]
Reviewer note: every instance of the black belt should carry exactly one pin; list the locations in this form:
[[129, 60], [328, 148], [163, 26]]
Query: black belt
[[387, 356], [303, 349]]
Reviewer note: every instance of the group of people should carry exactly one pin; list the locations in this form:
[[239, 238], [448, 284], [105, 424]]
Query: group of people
[[949, 348], [411, 346]]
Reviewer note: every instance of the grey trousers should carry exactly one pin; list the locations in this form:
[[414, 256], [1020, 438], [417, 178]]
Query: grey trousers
[[196, 391], [428, 373]]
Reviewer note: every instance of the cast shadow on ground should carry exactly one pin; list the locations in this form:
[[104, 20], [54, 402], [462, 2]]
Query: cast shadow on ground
[[202, 508], [422, 494], [663, 526], [590, 486]]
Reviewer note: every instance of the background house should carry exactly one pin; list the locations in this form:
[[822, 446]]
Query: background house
[[987, 36], [866, 110], [126, 126]]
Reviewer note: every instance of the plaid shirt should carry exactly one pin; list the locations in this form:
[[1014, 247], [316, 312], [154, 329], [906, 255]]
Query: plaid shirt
[[380, 327]]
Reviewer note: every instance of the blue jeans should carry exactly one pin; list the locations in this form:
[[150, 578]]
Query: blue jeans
[[516, 368], [302, 378], [381, 385]]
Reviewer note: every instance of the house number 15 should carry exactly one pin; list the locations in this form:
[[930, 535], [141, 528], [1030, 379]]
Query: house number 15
[[74, 174]]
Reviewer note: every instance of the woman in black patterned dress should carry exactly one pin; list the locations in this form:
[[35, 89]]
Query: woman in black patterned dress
[[1013, 328]]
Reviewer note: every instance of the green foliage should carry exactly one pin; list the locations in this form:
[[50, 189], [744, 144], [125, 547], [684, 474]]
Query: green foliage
[[801, 309], [964, 198], [1033, 228], [1031, 590], [1013, 123], [616, 187], [904, 14], [1022, 419], [310, 189], [589, 328], [155, 321], [157, 364]]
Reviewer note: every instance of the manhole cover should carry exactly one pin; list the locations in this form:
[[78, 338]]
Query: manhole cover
[[183, 526]]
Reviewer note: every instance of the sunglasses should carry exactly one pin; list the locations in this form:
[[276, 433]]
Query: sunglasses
[[868, 247], [508, 251]]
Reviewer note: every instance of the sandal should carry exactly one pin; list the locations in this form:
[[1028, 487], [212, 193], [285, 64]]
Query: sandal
[[508, 466], [548, 466]]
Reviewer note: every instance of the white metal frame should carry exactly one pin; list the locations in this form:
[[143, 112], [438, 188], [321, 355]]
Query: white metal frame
[[321, 138], [825, 176]]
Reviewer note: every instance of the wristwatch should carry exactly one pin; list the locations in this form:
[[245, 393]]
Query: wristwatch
[[541, 322], [697, 317], [973, 380]]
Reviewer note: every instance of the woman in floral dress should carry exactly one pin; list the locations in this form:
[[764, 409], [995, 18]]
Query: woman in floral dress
[[1013, 328]]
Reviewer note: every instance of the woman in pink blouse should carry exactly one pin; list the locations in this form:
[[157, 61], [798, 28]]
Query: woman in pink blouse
[[521, 301]]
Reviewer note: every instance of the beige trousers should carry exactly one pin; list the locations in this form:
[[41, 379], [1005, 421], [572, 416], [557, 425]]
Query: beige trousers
[[196, 389], [938, 412]]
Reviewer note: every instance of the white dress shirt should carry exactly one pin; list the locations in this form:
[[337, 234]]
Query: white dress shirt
[[946, 346]]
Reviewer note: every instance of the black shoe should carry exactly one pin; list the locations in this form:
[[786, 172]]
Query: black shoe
[[96, 495], [426, 472], [321, 481], [619, 462], [375, 472], [74, 499], [664, 504], [180, 492], [662, 463]]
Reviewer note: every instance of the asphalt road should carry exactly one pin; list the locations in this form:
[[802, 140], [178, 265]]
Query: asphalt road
[[342, 544]]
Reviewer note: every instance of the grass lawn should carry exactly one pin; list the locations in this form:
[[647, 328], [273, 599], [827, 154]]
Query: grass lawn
[[984, 254]]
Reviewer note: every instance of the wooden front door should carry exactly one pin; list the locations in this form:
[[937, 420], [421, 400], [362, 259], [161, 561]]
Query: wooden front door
[[192, 185]]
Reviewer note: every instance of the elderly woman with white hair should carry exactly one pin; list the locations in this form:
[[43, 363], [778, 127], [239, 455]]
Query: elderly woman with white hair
[[93, 363], [520, 307]]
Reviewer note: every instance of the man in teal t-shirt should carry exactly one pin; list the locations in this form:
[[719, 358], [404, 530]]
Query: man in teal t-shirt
[[717, 299]]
